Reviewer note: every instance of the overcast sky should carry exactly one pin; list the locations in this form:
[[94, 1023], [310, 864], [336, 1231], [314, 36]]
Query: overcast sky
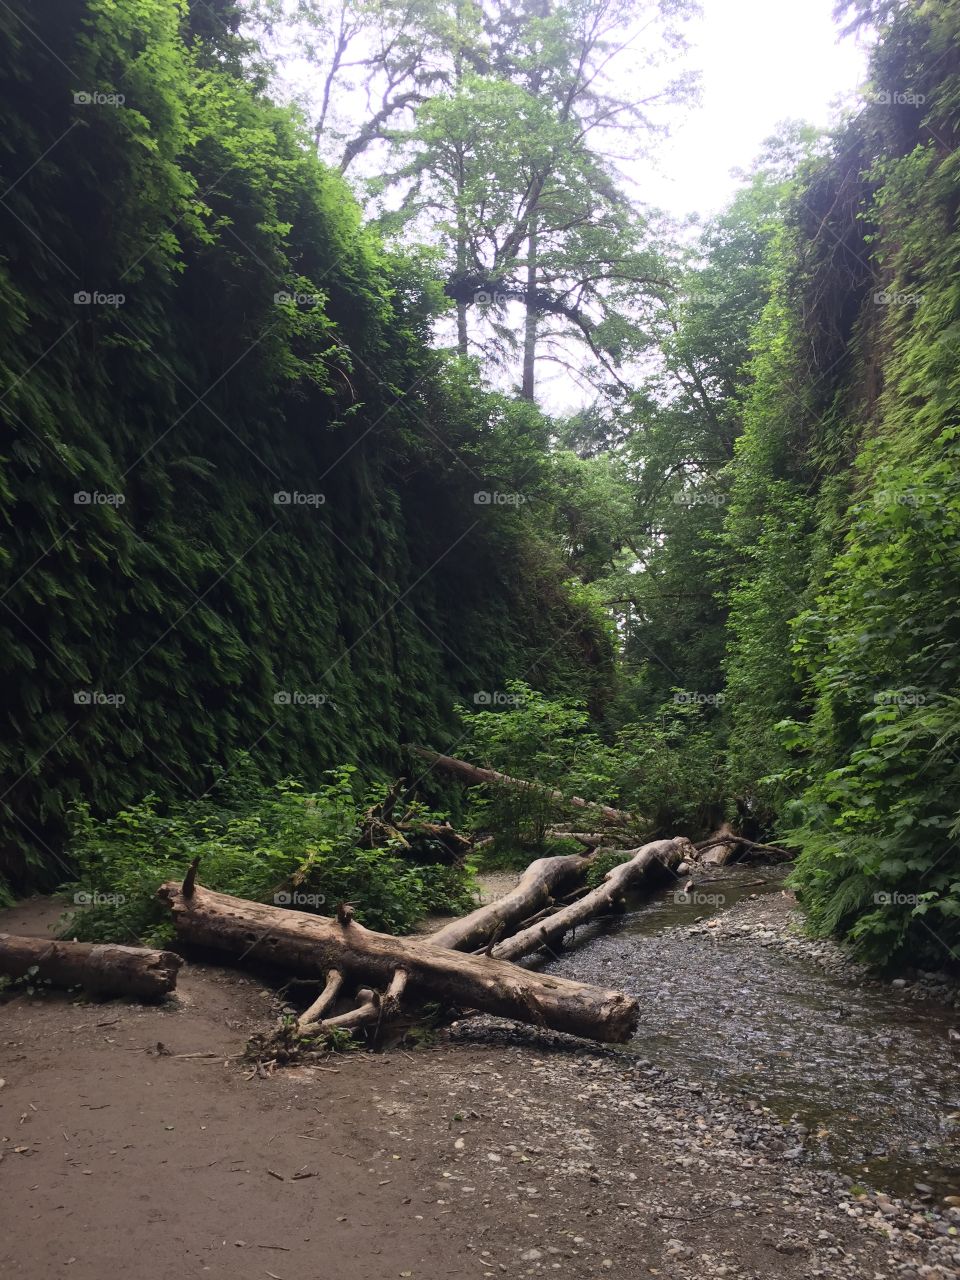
[[762, 61]]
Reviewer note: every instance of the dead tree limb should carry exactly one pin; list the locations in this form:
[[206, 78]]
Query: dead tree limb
[[535, 889], [648, 862], [324, 1000], [308, 945], [102, 969], [719, 848], [475, 776], [773, 849]]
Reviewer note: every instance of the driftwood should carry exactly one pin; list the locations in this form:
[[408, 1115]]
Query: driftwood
[[647, 863], [102, 969], [535, 890], [308, 946], [475, 776], [749, 845], [420, 839], [719, 848]]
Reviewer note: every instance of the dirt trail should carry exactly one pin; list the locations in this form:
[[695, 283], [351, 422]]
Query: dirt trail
[[499, 1152]]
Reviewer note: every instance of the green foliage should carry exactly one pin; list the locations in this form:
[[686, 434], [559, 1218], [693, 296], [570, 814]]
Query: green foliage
[[602, 865], [266, 344], [667, 768], [848, 519], [277, 844]]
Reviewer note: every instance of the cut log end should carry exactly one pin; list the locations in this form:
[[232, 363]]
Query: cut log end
[[101, 969]]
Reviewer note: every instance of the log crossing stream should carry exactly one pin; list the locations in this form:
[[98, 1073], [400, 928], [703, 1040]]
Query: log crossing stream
[[870, 1071]]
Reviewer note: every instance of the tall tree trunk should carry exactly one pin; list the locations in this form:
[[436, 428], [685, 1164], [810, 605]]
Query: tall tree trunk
[[461, 328], [528, 387]]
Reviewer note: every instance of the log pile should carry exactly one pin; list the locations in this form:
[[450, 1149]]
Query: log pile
[[370, 981]]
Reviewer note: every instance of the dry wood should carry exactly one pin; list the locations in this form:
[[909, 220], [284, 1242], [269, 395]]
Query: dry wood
[[102, 969], [475, 776], [719, 848], [313, 945], [324, 1000], [591, 839], [651, 860], [773, 849], [535, 889]]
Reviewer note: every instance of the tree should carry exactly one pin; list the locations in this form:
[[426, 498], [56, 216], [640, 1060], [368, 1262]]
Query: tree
[[498, 126]]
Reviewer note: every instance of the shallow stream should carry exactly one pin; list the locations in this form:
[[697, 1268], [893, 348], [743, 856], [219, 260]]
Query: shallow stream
[[871, 1072]]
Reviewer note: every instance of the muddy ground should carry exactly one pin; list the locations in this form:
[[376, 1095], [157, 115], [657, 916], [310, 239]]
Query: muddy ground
[[496, 1152]]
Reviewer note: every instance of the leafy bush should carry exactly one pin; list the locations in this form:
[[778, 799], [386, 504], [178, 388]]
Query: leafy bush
[[270, 844], [666, 768], [538, 739]]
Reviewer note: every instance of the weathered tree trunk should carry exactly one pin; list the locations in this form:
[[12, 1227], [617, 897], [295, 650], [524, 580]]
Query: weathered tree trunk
[[651, 860], [102, 969], [720, 848], [534, 890], [741, 842], [475, 776], [314, 945], [527, 386]]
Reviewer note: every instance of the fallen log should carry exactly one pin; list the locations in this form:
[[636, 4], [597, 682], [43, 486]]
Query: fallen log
[[102, 969], [535, 890], [312, 946], [474, 776], [648, 862], [774, 850], [719, 848]]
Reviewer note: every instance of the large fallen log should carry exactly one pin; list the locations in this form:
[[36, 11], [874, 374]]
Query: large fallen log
[[535, 890], [312, 946], [649, 862], [102, 969], [475, 776]]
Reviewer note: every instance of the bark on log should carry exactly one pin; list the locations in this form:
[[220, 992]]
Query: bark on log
[[308, 945], [720, 848], [102, 969], [773, 849], [657, 858], [475, 776], [535, 890]]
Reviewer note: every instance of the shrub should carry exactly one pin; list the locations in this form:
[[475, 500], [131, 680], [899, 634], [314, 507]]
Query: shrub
[[275, 843]]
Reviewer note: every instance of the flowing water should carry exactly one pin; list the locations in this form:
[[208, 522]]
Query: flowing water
[[870, 1072]]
